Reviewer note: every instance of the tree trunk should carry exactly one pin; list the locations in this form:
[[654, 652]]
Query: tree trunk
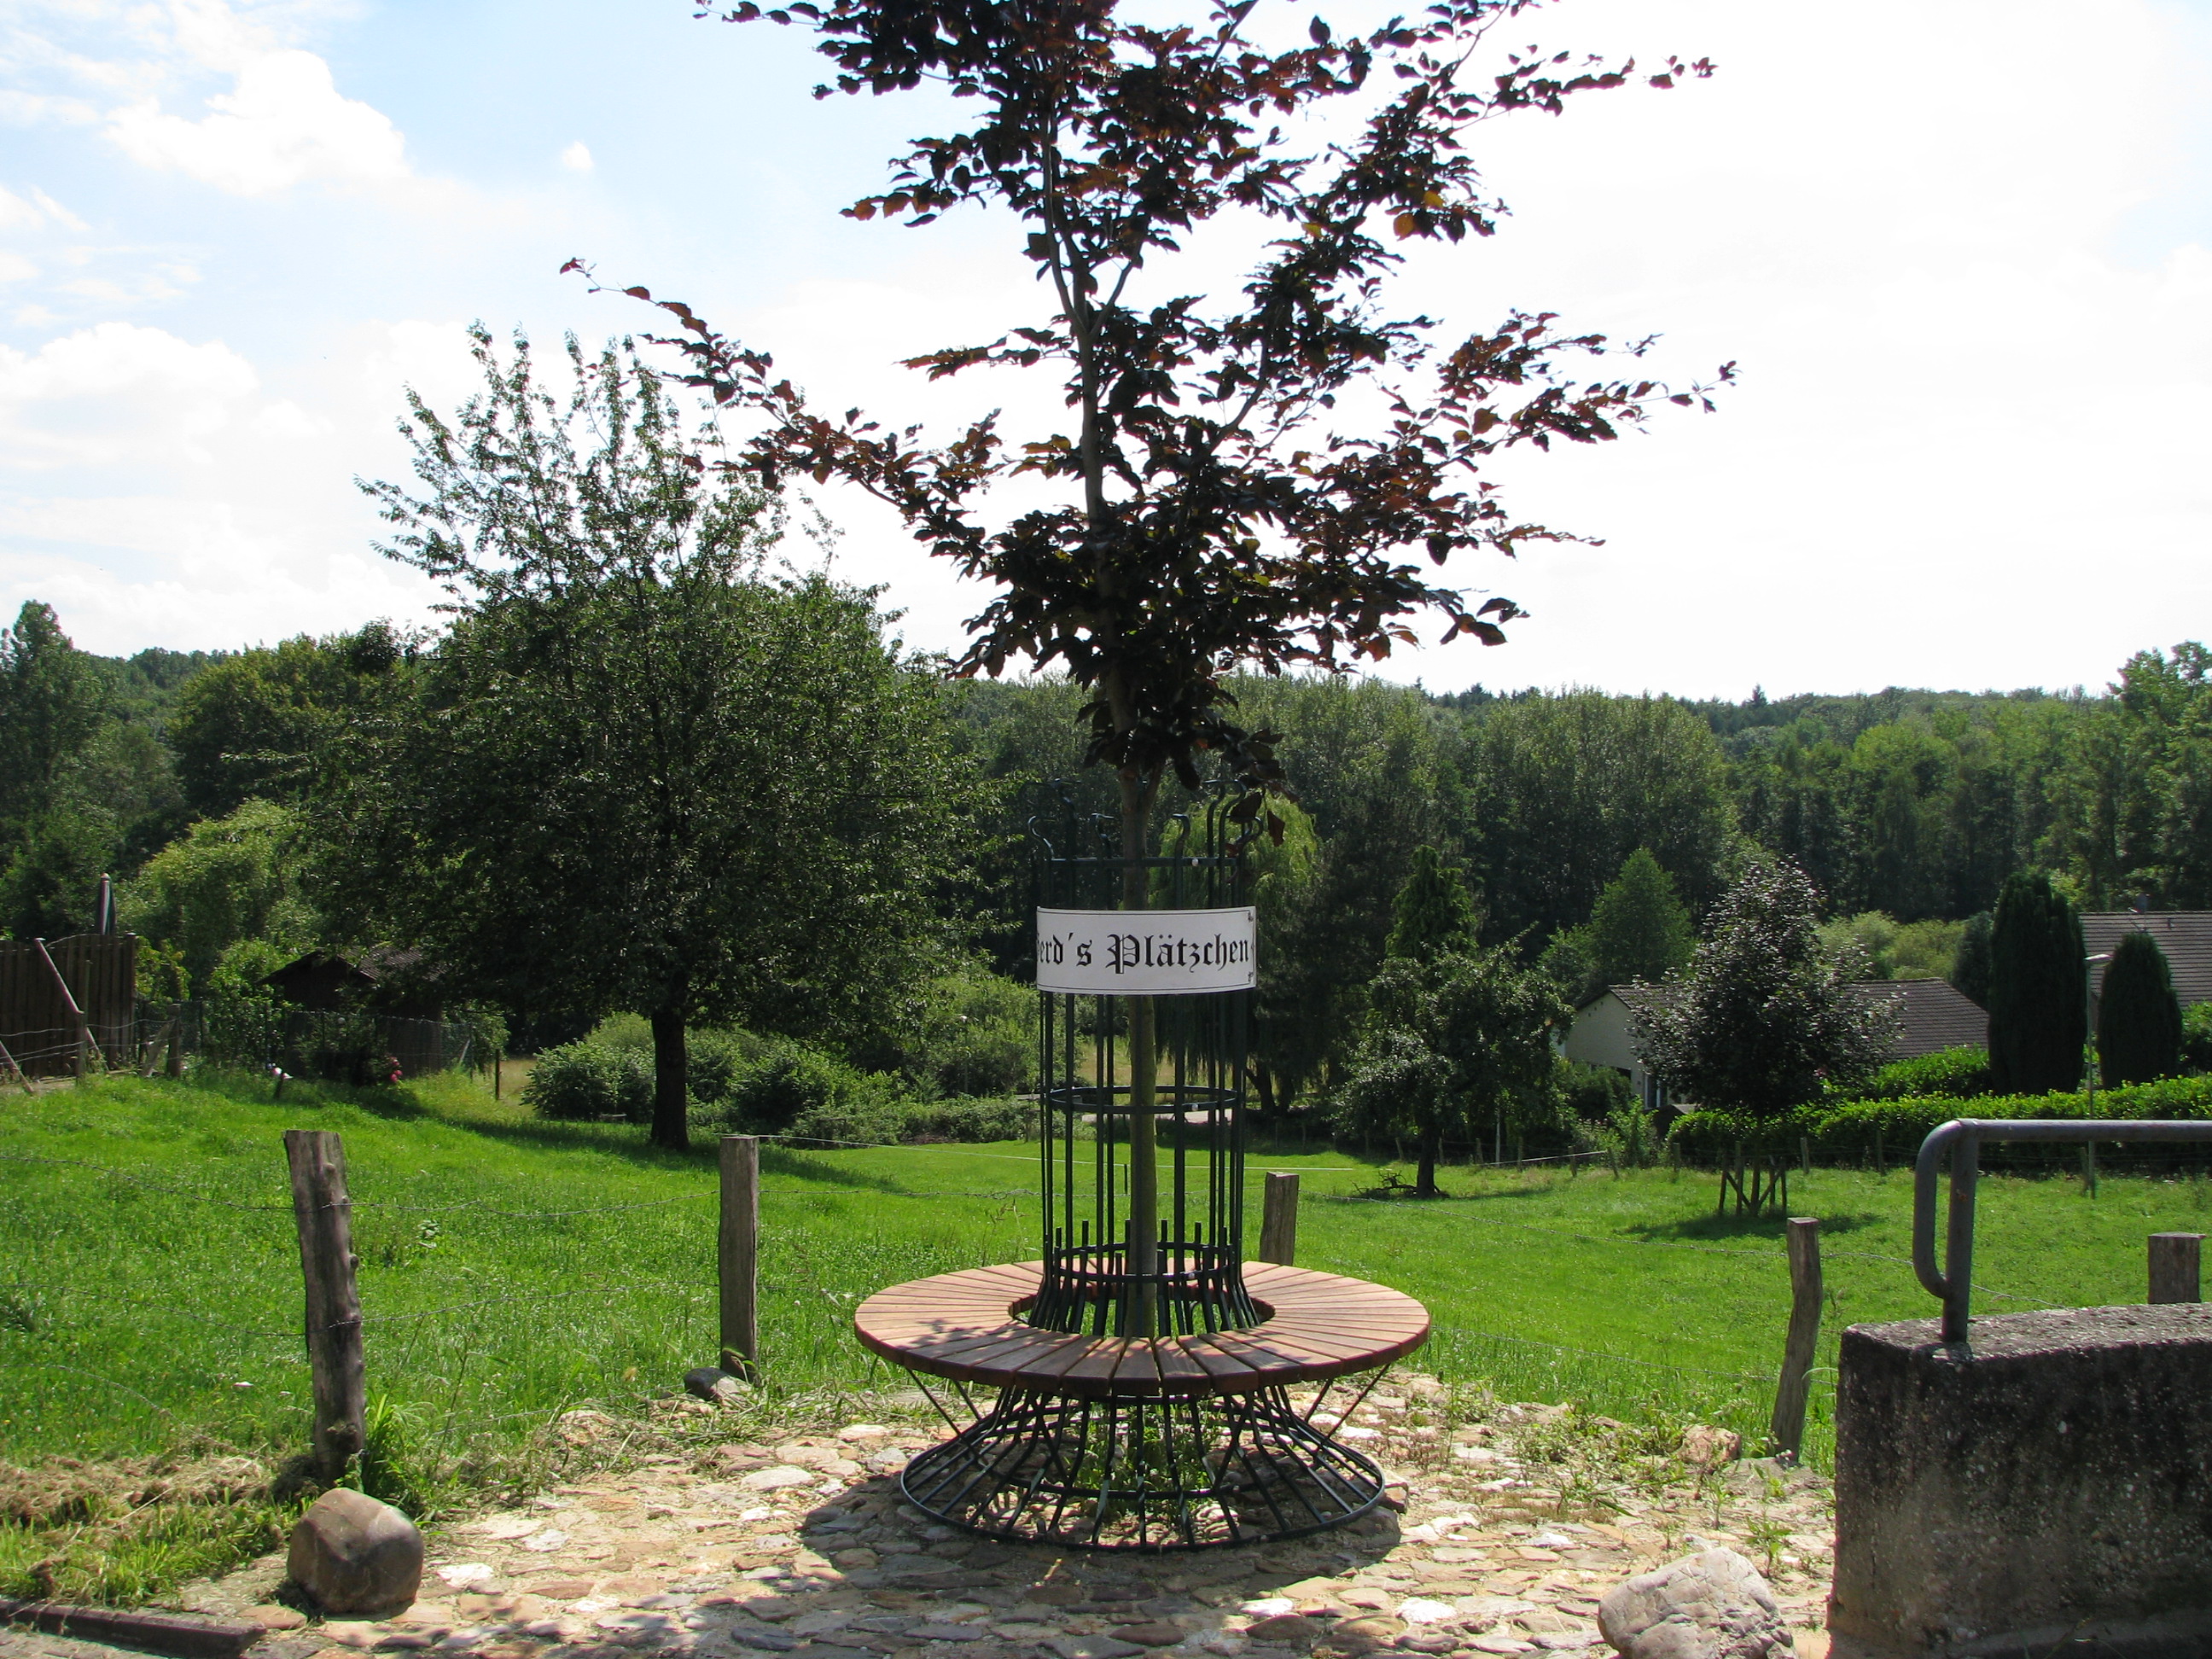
[[1266, 1085], [1143, 1079], [1425, 1183], [672, 1083]]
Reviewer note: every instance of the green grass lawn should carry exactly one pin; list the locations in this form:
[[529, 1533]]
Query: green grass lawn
[[149, 1288]]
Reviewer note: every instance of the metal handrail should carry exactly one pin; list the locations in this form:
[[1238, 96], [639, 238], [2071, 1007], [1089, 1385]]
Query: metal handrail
[[1952, 1284]]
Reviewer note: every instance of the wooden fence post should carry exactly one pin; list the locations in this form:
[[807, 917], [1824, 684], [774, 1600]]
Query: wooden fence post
[[68, 998], [737, 1255], [1278, 1218], [2174, 1259], [1798, 1348], [325, 1215]]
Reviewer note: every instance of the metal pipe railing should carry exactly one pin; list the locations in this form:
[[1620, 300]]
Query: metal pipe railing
[[1962, 1137]]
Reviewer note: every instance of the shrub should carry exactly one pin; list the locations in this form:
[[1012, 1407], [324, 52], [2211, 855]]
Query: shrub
[[2196, 1038], [2138, 1016], [1591, 1093], [589, 1080], [1846, 1130], [1960, 1074], [971, 1033], [713, 1060]]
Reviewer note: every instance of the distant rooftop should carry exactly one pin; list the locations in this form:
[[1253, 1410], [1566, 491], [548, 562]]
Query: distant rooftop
[[2186, 936]]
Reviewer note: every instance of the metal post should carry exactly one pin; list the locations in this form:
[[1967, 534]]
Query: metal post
[[737, 1255], [2174, 1262], [2089, 1167], [1958, 1251], [1279, 1224], [1798, 1348]]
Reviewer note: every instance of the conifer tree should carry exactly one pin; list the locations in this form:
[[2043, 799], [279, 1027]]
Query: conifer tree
[[1970, 970], [2039, 994], [1433, 914], [1640, 928], [2138, 1016]]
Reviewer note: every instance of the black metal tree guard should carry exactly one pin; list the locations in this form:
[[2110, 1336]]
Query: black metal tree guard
[[1176, 1463]]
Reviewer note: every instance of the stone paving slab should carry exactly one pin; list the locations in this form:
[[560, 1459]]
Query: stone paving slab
[[1503, 1534]]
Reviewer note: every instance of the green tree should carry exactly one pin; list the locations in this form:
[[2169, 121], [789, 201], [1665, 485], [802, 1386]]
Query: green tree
[[1215, 510], [53, 699], [1561, 790], [1640, 928], [1970, 967], [224, 881], [1766, 1016], [2039, 989], [51, 886], [1451, 1040], [635, 774], [250, 726], [2138, 1016], [1433, 914]]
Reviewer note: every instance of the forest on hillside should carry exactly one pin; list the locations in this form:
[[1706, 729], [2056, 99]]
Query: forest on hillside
[[203, 783]]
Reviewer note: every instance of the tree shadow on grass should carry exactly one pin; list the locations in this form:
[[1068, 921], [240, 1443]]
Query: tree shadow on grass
[[1706, 1228]]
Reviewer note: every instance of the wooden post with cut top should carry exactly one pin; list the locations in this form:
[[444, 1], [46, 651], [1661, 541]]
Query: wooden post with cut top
[[85, 1046], [2174, 1267], [1798, 1348], [737, 1255], [1278, 1218], [325, 1215]]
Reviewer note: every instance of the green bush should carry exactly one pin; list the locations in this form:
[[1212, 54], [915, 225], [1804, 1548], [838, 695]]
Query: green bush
[[969, 1033], [713, 1060], [1592, 1093], [1846, 1130], [888, 1120], [2196, 1037], [1954, 1073], [589, 1080]]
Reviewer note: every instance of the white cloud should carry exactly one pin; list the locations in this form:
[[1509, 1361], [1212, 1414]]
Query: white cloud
[[284, 122], [577, 158], [114, 393]]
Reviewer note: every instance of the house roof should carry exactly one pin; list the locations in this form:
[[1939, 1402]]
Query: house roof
[[1932, 1015], [2186, 936]]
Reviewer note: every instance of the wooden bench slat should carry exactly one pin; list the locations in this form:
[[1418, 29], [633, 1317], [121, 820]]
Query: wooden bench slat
[[960, 1325]]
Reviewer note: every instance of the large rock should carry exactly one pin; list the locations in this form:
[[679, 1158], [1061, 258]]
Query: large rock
[[355, 1555], [1713, 1605]]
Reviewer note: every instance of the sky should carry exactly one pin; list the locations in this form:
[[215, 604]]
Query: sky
[[1960, 249]]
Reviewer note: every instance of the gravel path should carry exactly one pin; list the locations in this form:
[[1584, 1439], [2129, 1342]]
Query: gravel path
[[1507, 1524]]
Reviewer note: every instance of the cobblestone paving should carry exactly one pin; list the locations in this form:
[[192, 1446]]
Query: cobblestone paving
[[1503, 1534]]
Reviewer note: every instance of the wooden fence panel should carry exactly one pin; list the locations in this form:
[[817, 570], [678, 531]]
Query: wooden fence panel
[[102, 970]]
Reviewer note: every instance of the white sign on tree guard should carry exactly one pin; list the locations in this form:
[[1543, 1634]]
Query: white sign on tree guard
[[1144, 953]]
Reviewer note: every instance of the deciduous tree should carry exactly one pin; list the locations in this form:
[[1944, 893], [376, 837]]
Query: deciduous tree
[[637, 773], [1766, 1016], [1218, 504]]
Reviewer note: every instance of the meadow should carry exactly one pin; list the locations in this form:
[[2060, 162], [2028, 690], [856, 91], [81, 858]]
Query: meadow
[[513, 1269]]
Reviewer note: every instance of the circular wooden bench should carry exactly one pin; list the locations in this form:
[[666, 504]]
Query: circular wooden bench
[[1315, 1326]]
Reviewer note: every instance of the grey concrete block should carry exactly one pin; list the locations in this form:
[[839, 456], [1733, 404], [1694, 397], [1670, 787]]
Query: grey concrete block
[[2050, 1477]]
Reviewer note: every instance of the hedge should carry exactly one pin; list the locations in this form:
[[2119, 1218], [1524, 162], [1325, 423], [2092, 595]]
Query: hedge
[[1846, 1130]]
